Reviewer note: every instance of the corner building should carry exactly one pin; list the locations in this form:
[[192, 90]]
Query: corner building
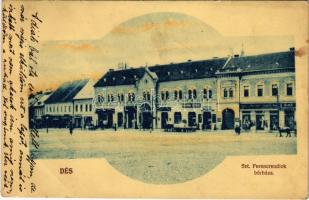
[[256, 92]]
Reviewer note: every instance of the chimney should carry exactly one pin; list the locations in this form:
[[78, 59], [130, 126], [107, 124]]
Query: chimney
[[189, 60], [292, 49], [236, 55], [111, 70]]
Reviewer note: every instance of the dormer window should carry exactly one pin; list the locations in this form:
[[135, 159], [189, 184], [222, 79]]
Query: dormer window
[[181, 71], [168, 73], [195, 70], [113, 78], [124, 78], [104, 79]]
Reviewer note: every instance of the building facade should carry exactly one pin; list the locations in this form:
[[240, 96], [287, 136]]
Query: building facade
[[59, 107], [39, 109], [84, 115], [255, 92]]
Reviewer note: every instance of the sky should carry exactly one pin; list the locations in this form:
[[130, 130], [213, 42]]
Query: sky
[[143, 40]]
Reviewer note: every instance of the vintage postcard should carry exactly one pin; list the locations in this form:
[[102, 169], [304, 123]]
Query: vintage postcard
[[166, 99]]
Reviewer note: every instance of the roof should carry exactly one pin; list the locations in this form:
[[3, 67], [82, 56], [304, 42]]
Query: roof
[[121, 77], [67, 91], [188, 70], [42, 99], [168, 72], [87, 92], [201, 69], [32, 100], [271, 61]]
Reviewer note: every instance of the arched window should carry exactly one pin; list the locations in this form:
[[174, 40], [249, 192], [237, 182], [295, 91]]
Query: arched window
[[133, 97], [175, 94], [231, 93], [180, 94], [189, 94], [90, 107], [86, 108], [122, 98], [205, 93], [162, 95], [148, 96], [100, 99], [144, 96], [225, 93], [167, 95], [194, 94], [209, 93], [81, 107], [112, 97], [119, 98], [76, 108], [108, 98], [129, 97]]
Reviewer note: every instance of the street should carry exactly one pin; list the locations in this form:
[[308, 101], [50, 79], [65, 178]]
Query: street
[[159, 157]]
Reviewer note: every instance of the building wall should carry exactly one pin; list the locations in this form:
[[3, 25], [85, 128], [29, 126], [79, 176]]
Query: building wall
[[114, 90], [39, 112], [281, 80], [146, 102], [177, 105], [227, 96], [56, 109], [267, 80], [84, 113]]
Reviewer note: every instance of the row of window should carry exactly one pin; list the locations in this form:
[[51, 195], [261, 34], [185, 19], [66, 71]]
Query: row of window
[[78, 108], [229, 93], [55, 108], [206, 93], [165, 95], [110, 98], [274, 90], [192, 94]]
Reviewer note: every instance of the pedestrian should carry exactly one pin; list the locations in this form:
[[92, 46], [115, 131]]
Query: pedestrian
[[288, 132], [237, 130], [71, 127]]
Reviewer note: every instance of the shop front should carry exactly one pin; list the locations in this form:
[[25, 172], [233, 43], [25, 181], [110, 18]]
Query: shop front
[[268, 116], [105, 118]]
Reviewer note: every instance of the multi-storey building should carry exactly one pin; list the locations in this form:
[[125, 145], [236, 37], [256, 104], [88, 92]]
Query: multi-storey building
[[84, 115], [256, 92], [39, 109], [59, 107]]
